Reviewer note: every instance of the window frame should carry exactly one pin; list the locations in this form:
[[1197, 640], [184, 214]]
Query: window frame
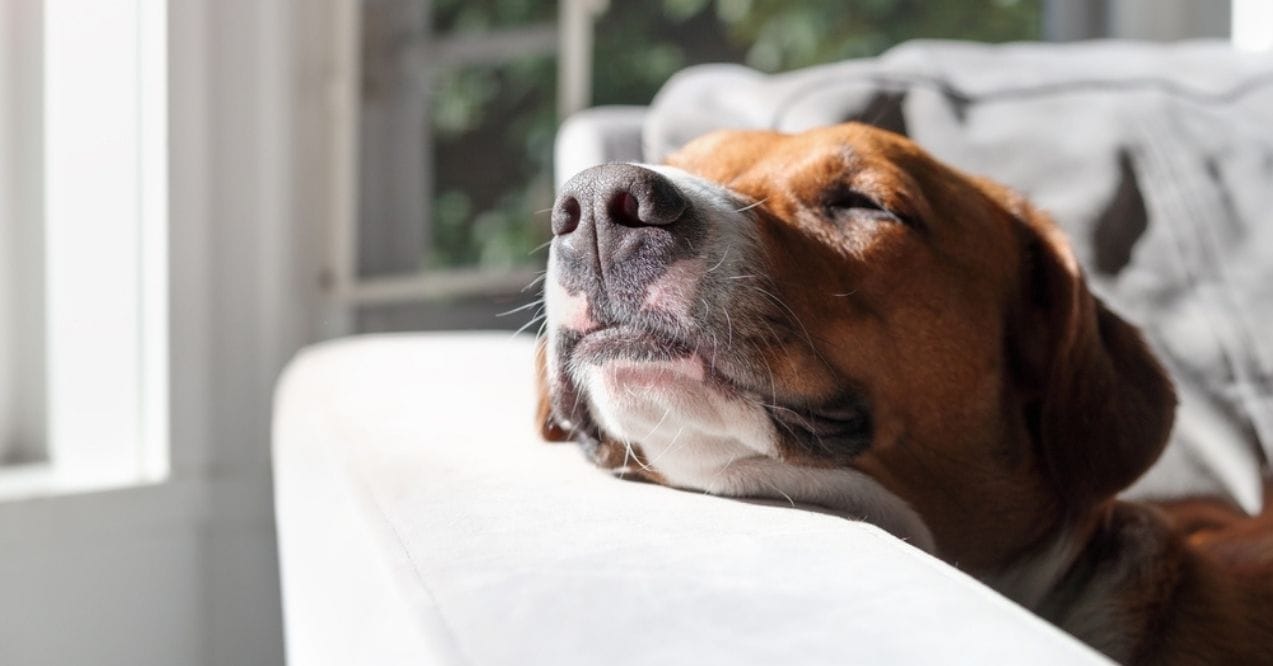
[[250, 126], [1252, 25], [96, 383], [569, 38], [22, 431]]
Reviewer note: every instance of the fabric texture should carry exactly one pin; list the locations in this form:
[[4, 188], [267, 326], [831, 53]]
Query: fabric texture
[[1157, 161], [595, 136], [422, 521]]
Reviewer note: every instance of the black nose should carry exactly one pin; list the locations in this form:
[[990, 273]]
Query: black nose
[[623, 195], [617, 228]]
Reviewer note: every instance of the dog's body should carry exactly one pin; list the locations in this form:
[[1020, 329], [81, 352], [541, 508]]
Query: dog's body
[[834, 318]]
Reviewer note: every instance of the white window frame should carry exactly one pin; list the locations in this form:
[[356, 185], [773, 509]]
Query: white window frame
[[570, 38], [184, 570], [1252, 28], [22, 431], [98, 168]]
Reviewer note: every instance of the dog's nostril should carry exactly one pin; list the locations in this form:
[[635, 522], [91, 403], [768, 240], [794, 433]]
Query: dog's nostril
[[612, 199], [565, 216], [625, 209]]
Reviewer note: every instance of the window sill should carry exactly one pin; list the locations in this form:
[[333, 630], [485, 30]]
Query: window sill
[[43, 480]]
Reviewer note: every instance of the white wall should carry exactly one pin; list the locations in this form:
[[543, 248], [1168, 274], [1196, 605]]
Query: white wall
[[7, 223], [1155, 20], [111, 578], [1252, 23], [1169, 19], [185, 572]]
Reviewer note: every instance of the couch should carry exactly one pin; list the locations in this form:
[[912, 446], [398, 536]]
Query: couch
[[421, 520]]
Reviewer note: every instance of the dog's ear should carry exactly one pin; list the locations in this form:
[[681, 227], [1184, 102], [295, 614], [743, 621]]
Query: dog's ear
[[549, 427], [1098, 405]]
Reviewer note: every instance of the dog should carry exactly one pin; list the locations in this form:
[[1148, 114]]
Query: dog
[[836, 319]]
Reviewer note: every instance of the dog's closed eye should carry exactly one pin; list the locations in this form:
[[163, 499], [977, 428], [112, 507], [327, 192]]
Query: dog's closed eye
[[844, 205], [845, 199]]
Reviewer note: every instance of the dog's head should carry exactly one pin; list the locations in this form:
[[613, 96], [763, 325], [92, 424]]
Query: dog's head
[[837, 299]]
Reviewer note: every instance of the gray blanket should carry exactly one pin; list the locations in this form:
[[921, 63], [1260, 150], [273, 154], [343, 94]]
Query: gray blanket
[[1157, 160]]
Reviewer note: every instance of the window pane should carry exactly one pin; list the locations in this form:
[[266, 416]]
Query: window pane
[[493, 129], [468, 188], [481, 15], [641, 48], [86, 306]]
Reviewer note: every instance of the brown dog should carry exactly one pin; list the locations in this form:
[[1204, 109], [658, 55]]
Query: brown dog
[[837, 319]]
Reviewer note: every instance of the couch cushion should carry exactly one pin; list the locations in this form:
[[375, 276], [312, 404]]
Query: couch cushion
[[421, 521]]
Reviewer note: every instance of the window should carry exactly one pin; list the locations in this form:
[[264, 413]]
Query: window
[[643, 48], [1253, 24], [456, 121], [460, 100], [83, 287]]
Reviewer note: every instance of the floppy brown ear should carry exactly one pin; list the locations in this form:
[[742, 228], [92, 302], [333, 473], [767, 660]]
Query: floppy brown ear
[[1099, 405], [549, 427]]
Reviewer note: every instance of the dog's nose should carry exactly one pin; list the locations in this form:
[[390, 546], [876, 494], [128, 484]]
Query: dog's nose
[[615, 202]]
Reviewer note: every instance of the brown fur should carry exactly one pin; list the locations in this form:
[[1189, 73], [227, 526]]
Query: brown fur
[[547, 424], [1009, 404]]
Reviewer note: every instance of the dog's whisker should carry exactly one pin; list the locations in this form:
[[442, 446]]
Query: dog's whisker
[[796, 318], [574, 409], [775, 488], [729, 328], [650, 434], [539, 317], [538, 279], [534, 303], [808, 338], [724, 255], [750, 206], [649, 467], [671, 446]]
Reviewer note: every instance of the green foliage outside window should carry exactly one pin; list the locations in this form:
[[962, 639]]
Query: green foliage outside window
[[493, 125]]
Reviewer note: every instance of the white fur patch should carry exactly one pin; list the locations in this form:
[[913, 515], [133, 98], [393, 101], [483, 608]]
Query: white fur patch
[[701, 439], [570, 311], [674, 291]]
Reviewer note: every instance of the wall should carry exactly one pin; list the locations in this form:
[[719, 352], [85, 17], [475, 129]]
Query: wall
[[185, 571], [1156, 20], [1164, 20]]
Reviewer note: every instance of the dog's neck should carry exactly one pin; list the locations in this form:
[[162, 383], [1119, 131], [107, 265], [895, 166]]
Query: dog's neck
[[984, 510], [1109, 580]]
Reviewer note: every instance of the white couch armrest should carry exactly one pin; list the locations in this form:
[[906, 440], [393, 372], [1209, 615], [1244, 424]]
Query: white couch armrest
[[596, 136], [421, 521]]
